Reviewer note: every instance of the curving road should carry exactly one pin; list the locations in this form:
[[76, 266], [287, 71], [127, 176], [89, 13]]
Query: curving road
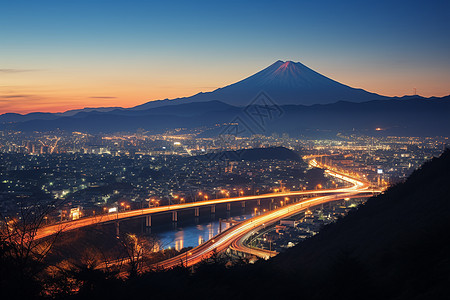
[[235, 236], [239, 244]]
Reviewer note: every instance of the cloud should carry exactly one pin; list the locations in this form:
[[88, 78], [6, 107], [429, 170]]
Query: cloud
[[102, 97], [12, 71], [15, 96]]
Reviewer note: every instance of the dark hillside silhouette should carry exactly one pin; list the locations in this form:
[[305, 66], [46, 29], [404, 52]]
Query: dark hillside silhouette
[[254, 154]]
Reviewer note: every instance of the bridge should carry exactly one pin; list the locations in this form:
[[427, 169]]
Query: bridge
[[233, 239], [175, 208]]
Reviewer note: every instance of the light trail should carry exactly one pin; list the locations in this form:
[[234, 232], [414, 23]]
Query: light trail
[[239, 244], [90, 221], [235, 236]]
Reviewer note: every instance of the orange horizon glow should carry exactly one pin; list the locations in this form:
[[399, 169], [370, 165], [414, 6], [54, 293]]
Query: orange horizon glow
[[45, 91]]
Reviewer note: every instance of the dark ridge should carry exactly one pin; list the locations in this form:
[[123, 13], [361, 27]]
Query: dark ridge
[[254, 154], [395, 247]]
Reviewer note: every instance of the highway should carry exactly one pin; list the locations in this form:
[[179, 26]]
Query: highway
[[89, 221], [235, 236], [239, 243]]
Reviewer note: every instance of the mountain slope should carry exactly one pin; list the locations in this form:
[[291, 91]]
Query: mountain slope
[[395, 246], [285, 83]]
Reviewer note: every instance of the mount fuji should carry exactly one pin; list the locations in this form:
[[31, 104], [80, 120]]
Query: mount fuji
[[286, 82], [312, 105]]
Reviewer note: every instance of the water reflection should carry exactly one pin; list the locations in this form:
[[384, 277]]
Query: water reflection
[[191, 235], [179, 240], [211, 231]]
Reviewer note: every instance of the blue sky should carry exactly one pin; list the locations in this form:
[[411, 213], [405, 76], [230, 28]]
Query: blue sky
[[69, 54]]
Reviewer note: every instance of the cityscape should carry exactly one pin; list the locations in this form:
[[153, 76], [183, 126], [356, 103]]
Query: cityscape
[[165, 150], [95, 173]]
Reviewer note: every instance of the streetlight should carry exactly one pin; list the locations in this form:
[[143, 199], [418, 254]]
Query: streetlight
[[63, 214], [187, 253]]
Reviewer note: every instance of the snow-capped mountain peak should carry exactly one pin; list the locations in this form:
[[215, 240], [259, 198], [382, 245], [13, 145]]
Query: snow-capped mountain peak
[[286, 82]]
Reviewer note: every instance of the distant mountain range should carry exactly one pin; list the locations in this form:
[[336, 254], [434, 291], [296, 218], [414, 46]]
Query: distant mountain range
[[404, 117], [293, 98], [14, 117]]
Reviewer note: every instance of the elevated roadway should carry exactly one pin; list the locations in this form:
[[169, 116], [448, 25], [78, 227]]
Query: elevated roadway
[[111, 217], [234, 237]]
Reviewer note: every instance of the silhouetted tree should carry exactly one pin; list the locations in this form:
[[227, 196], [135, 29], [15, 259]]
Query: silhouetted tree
[[21, 254], [137, 252]]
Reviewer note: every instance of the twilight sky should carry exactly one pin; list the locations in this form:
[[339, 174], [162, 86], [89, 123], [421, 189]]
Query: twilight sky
[[67, 54]]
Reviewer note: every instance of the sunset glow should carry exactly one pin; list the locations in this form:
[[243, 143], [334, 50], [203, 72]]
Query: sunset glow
[[78, 55]]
